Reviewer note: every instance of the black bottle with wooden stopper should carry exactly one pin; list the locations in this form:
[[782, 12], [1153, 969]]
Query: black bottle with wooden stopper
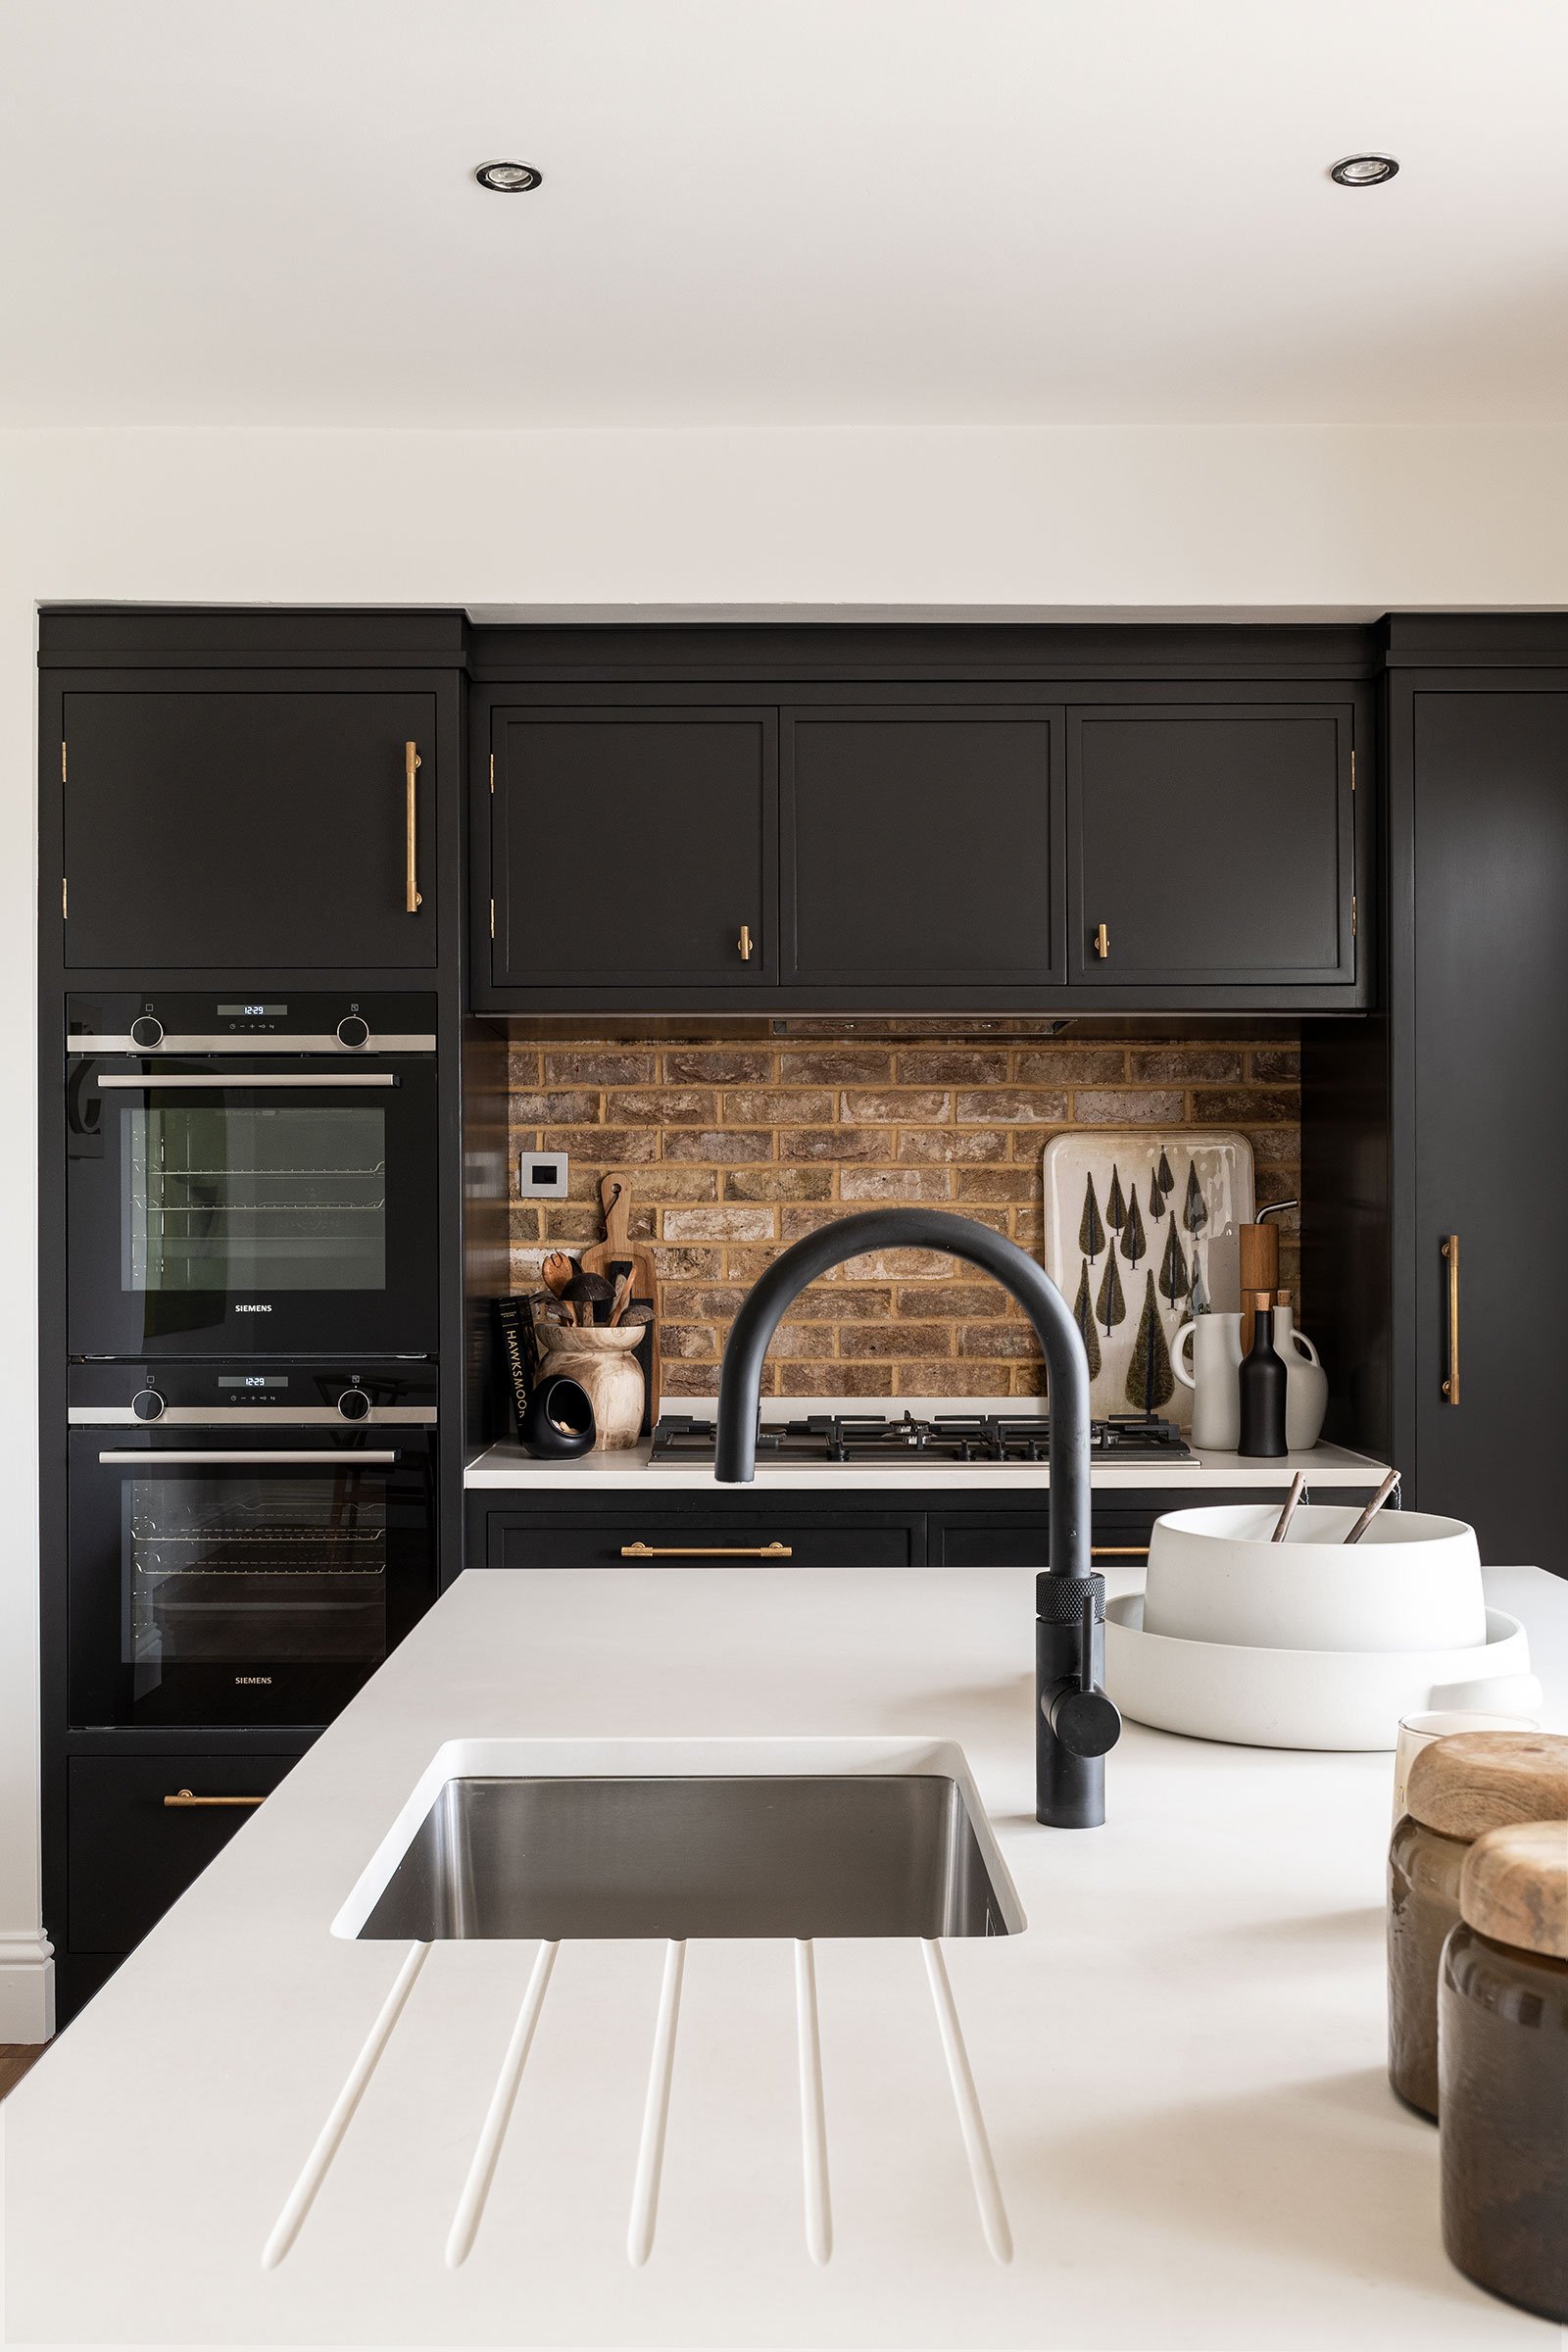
[[1262, 1383]]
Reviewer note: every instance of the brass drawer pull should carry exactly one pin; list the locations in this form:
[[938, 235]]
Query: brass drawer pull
[[184, 1798], [1451, 1259], [411, 765], [743, 943], [706, 1551], [1119, 1552], [1101, 941]]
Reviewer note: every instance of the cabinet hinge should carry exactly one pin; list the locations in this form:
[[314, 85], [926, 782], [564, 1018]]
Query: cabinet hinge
[[1352, 915], [492, 919], [492, 775], [62, 762], [65, 895]]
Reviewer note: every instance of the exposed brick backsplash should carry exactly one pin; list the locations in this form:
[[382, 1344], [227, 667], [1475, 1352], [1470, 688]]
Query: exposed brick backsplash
[[734, 1151]]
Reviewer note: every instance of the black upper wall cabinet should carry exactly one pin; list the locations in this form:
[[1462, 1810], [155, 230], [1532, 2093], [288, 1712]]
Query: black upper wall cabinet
[[923, 848], [252, 826], [1211, 845], [633, 849]]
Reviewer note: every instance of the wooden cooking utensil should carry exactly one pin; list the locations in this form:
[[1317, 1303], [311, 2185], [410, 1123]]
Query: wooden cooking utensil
[[619, 1303], [615, 1253], [557, 1271], [1373, 1507], [1298, 1490]]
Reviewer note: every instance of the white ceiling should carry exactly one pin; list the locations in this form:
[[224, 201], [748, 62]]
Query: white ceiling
[[781, 212]]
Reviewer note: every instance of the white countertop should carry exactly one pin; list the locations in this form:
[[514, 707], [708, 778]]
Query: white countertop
[[1181, 2059], [604, 1473]]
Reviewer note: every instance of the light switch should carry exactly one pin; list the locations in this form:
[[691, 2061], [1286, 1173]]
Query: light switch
[[542, 1176]]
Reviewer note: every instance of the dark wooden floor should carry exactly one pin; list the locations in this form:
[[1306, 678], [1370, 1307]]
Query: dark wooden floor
[[15, 2059]]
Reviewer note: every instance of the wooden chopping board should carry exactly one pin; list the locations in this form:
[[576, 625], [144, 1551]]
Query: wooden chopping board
[[611, 1257]]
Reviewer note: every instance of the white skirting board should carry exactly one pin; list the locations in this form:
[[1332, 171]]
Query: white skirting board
[[27, 1985]]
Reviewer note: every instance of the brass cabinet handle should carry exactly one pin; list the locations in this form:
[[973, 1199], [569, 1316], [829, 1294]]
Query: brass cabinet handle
[[743, 943], [410, 763], [1101, 941], [184, 1798], [706, 1551], [1119, 1552], [1451, 1259]]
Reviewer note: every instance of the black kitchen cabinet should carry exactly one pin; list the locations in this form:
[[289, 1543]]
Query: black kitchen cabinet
[[747, 1533], [633, 850], [240, 823], [923, 845], [131, 1854], [1211, 846]]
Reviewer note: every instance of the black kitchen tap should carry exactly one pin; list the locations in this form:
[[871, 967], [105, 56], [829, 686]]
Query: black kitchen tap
[[1075, 1723]]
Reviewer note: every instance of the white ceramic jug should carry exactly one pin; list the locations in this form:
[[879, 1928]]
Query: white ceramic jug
[[1217, 1396], [1306, 1383]]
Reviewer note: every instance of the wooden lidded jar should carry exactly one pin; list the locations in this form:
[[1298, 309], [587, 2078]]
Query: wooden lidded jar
[[1459, 1788], [1504, 2036]]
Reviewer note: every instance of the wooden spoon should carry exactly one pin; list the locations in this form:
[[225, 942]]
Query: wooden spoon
[[557, 1270], [1298, 1490], [1373, 1507]]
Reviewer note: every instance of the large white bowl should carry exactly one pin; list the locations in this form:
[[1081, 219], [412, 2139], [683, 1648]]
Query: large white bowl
[[1324, 1698], [1413, 1582]]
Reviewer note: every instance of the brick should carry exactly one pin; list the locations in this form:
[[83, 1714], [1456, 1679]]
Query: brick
[[565, 1224], [894, 1265], [952, 1299], [896, 1184], [779, 1107], [1070, 1065], [813, 1379], [813, 1340], [1280, 1145], [1113, 1107], [778, 1184], [665, 1106], [523, 1221], [949, 1377], [703, 1303], [524, 1065], [1029, 1227], [576, 1109], [1185, 1065], [1028, 1380], [706, 1065], [929, 1144], [608, 1147], [1271, 1064], [596, 1066], [795, 1223], [717, 1225], [681, 1187], [748, 1263], [689, 1380], [891, 1340], [952, 1065], [897, 1105], [1006, 1338], [1045, 1106], [839, 1303], [836, 1065], [834, 1142], [1246, 1106], [697, 1340], [718, 1145], [675, 1265], [999, 1184]]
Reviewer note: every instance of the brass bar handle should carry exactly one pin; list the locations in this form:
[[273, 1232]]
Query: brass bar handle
[[411, 766], [184, 1798], [1451, 1259], [1119, 1552], [706, 1551], [743, 943], [1101, 941]]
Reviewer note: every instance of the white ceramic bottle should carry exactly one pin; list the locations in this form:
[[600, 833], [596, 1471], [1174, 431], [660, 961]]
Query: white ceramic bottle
[[1306, 1383], [1213, 1379]]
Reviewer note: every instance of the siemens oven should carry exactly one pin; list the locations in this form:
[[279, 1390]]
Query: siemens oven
[[245, 1546], [251, 1176]]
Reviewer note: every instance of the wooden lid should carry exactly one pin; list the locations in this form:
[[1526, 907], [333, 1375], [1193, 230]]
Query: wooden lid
[[1473, 1782], [1514, 1887]]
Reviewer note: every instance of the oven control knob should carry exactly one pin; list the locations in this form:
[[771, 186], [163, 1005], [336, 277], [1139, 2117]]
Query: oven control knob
[[354, 1404], [147, 1032], [352, 1031], [147, 1406]]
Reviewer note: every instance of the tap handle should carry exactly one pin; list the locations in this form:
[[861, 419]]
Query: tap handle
[[1085, 1721]]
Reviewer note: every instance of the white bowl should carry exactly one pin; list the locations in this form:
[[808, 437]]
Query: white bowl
[[1323, 1699], [1413, 1582]]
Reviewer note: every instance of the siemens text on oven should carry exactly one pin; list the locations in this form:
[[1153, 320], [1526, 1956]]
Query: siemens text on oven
[[248, 1307]]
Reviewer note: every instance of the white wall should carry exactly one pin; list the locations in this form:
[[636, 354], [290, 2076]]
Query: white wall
[[1218, 520]]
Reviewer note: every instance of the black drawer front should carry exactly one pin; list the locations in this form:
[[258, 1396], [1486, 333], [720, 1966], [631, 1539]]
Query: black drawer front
[[517, 1540], [130, 1855], [1121, 1525]]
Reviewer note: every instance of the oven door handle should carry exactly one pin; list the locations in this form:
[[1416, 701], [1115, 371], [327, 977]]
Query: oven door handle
[[256, 1457], [137, 1082]]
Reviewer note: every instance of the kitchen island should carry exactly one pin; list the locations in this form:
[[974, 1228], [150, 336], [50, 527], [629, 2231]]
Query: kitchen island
[[1180, 2061]]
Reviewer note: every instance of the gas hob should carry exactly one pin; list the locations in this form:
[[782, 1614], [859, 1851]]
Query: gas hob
[[977, 1440]]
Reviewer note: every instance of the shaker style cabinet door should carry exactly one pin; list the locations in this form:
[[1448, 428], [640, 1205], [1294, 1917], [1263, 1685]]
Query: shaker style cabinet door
[[1210, 845], [252, 828], [634, 849], [923, 848]]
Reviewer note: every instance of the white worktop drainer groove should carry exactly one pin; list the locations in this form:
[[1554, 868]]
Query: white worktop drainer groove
[[819, 2210]]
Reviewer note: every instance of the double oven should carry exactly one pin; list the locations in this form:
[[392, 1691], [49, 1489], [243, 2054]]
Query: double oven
[[252, 1325]]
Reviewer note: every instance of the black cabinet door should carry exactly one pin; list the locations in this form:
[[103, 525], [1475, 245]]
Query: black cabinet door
[[671, 819], [1213, 843], [252, 828], [130, 1854], [758, 1539], [1491, 1013], [924, 846]]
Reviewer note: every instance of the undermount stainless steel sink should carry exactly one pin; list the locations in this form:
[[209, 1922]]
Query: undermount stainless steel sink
[[805, 1854]]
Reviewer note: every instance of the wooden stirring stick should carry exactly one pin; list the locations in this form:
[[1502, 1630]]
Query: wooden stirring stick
[[1373, 1507], [1298, 1490]]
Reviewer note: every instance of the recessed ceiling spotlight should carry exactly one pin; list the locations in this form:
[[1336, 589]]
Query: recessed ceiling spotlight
[[507, 180], [1364, 170]]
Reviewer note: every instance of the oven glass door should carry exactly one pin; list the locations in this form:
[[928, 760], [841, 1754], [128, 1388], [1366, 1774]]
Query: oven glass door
[[276, 1212], [226, 1583]]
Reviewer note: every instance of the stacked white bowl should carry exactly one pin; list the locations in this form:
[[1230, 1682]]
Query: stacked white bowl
[[1310, 1642]]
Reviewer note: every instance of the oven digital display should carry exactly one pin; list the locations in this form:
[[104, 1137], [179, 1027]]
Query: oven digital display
[[252, 1012], [252, 1380]]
